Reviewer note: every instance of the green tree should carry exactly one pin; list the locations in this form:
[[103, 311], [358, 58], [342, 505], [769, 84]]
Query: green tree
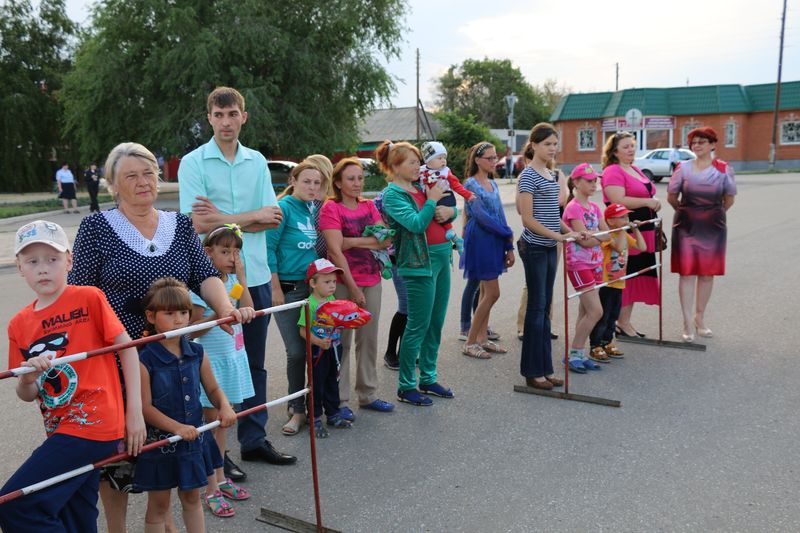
[[478, 88], [459, 134], [552, 93], [307, 69], [34, 56]]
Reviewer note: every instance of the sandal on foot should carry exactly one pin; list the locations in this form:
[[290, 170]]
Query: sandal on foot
[[380, 406], [219, 505], [292, 427], [476, 351], [347, 413], [320, 430], [414, 397], [493, 347], [436, 390], [338, 421], [232, 491]]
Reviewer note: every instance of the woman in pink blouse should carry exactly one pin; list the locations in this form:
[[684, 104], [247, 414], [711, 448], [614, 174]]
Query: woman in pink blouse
[[625, 184], [342, 222]]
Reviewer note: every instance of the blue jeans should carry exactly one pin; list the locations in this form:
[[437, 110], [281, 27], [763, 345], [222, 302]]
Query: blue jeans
[[469, 302], [252, 429], [67, 506], [536, 359]]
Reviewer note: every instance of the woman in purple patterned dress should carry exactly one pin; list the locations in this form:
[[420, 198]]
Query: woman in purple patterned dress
[[701, 191]]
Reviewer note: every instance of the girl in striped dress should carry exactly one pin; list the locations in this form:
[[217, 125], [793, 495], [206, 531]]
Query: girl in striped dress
[[226, 353]]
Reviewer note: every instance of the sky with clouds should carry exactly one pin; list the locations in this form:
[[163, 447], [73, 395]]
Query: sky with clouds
[[578, 42]]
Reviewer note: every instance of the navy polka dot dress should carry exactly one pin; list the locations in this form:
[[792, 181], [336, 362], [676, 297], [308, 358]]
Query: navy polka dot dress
[[111, 254]]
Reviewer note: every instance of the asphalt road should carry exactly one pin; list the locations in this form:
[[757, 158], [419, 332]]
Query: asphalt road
[[704, 441]]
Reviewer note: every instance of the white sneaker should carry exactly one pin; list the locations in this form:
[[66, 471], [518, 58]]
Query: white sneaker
[[462, 336]]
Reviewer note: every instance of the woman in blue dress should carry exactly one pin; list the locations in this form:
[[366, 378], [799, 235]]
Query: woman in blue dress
[[488, 246]]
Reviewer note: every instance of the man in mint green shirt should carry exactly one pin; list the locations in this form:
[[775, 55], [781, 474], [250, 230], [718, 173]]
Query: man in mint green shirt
[[224, 182]]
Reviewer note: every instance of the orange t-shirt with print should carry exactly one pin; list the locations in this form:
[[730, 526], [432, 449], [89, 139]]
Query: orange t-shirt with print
[[615, 264], [83, 398]]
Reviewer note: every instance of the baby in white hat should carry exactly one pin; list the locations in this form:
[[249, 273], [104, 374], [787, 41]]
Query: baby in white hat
[[435, 170]]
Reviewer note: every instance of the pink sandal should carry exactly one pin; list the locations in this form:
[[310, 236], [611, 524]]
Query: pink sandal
[[233, 491], [219, 505]]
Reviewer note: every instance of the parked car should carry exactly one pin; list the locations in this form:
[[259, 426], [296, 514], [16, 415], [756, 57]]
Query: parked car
[[280, 171], [519, 164], [655, 163], [370, 166]]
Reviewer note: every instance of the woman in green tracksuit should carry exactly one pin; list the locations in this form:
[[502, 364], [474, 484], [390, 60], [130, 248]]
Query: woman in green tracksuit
[[423, 261]]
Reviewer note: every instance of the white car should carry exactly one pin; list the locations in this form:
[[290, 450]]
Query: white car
[[655, 163]]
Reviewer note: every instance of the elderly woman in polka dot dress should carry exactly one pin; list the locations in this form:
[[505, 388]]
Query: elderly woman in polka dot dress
[[122, 251]]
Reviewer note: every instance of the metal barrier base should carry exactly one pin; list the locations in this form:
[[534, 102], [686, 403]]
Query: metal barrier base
[[290, 523], [666, 344], [568, 396]]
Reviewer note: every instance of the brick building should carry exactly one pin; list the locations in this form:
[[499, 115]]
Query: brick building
[[741, 115]]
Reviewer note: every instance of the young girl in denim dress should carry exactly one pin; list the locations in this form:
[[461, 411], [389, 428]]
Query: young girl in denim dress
[[172, 372]]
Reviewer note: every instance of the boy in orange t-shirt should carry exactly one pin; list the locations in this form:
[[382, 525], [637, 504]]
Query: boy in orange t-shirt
[[81, 402]]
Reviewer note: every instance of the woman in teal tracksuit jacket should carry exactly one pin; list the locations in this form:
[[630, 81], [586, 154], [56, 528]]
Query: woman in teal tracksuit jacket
[[424, 267], [291, 249]]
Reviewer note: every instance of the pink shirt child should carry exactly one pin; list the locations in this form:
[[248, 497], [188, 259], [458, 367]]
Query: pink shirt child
[[578, 257]]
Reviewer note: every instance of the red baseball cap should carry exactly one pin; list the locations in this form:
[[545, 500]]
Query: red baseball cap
[[615, 210], [321, 266]]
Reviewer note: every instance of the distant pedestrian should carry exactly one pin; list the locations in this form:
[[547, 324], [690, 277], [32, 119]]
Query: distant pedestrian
[[92, 179], [674, 158], [66, 187]]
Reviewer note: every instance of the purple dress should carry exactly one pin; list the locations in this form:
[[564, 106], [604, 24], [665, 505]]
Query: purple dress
[[699, 233]]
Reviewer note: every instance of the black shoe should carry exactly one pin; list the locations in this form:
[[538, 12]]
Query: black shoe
[[553, 336], [391, 362], [232, 470], [267, 453]]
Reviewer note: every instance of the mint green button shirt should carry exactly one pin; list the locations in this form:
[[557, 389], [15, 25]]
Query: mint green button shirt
[[234, 188]]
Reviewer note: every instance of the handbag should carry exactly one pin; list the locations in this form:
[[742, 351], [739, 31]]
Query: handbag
[[662, 239]]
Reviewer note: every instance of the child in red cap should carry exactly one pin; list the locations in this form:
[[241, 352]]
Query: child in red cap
[[615, 260], [325, 345]]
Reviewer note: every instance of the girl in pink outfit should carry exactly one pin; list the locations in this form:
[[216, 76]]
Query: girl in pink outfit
[[584, 261]]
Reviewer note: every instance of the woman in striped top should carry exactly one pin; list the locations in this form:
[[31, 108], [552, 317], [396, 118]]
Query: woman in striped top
[[539, 194]]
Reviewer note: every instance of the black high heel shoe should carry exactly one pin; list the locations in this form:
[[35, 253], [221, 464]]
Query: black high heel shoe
[[620, 333]]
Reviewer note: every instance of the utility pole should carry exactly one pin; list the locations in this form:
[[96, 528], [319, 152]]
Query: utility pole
[[773, 145], [416, 102], [616, 83]]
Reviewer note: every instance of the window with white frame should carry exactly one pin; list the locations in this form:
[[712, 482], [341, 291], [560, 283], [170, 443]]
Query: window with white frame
[[730, 134], [587, 139], [689, 126], [790, 131]]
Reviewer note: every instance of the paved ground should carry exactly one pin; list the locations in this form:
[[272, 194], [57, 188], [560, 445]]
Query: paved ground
[[702, 442]]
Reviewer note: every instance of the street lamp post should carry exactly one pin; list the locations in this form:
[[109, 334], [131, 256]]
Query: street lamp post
[[511, 100]]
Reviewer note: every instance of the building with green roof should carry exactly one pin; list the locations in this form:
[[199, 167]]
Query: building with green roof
[[742, 115]]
